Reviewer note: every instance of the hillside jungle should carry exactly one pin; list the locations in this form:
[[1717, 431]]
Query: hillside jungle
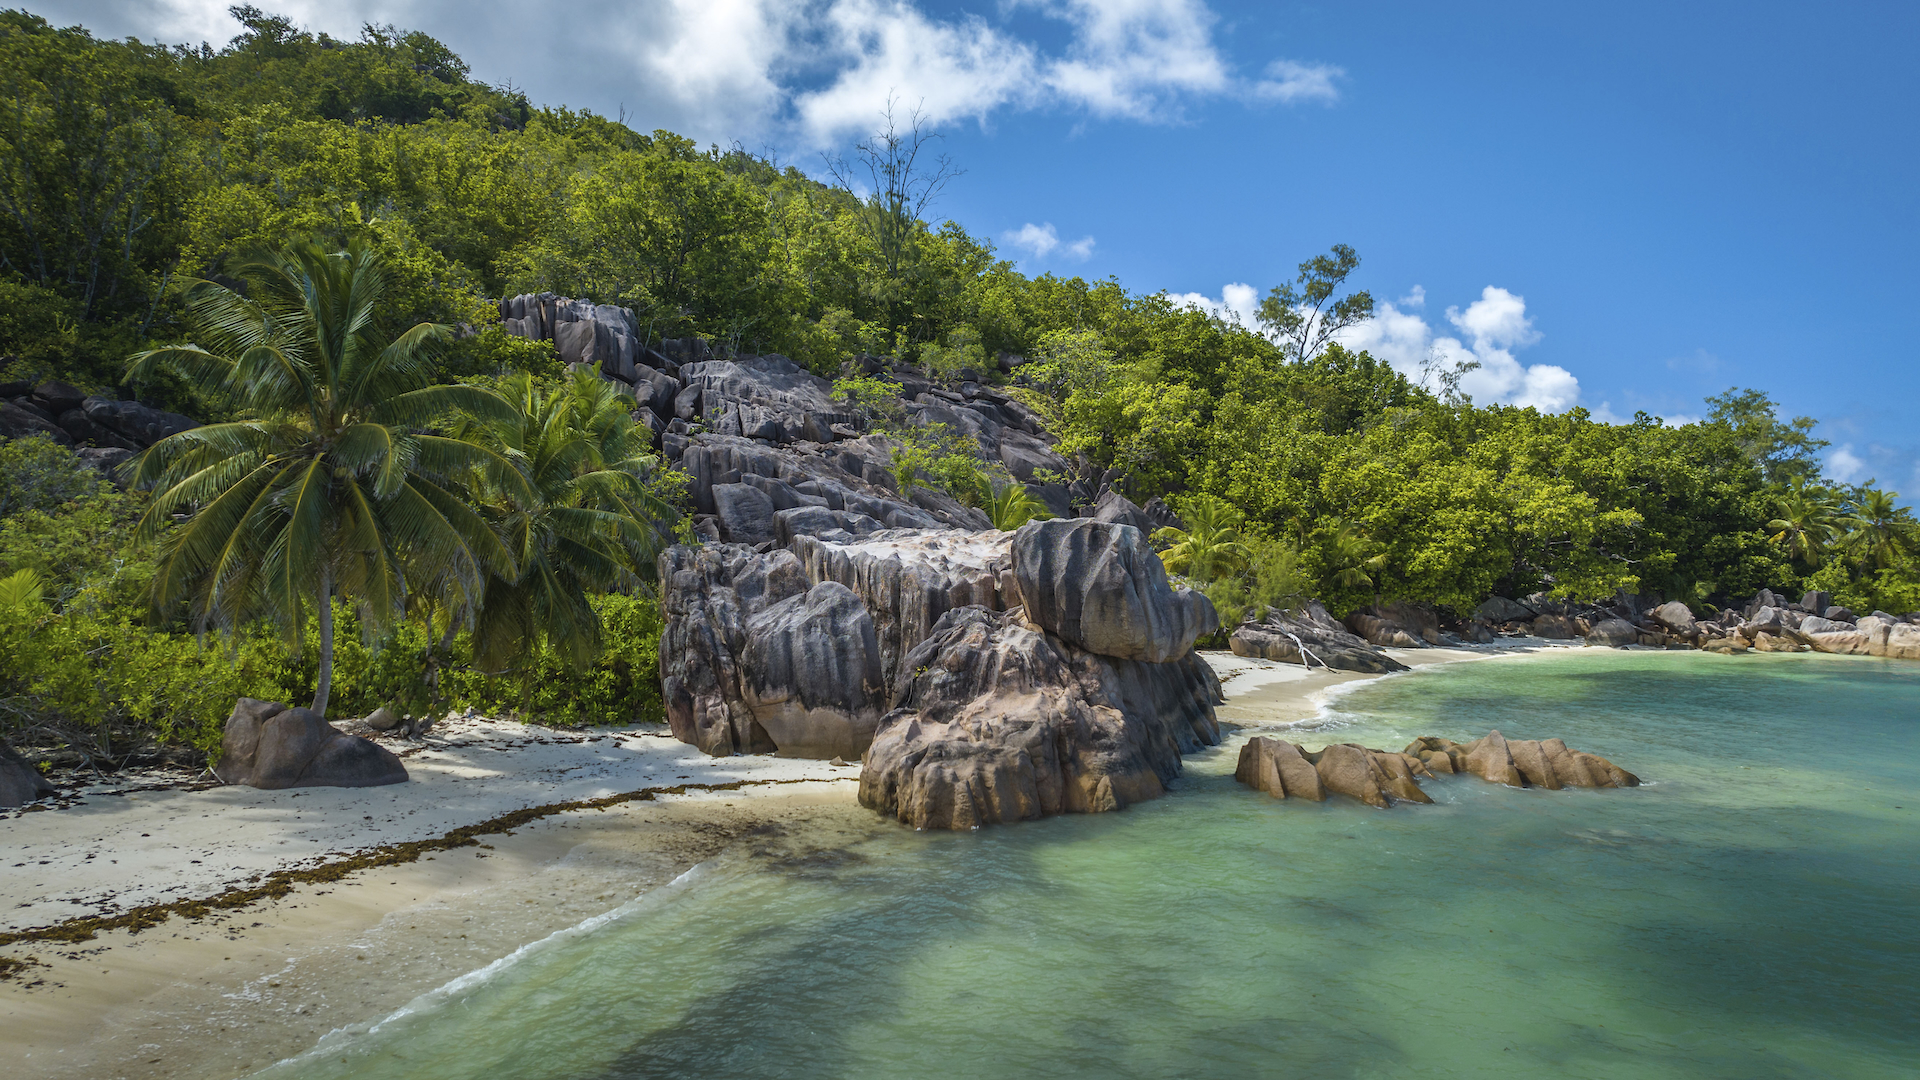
[[144, 187]]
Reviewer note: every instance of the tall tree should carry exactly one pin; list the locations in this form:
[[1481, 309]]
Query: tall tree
[[333, 486], [1805, 525], [1304, 319], [1877, 532]]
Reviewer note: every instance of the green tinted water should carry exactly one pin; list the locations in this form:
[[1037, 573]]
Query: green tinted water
[[1750, 912]]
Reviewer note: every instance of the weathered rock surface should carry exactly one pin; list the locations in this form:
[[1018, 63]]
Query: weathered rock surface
[[996, 720], [20, 782], [1546, 763], [1280, 635], [811, 673], [268, 745], [1613, 633], [1100, 586], [1398, 625], [1376, 777]]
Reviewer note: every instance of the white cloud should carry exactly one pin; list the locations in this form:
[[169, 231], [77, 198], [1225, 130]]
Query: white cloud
[[1289, 82], [1846, 466], [1238, 303], [1492, 328], [808, 74], [1043, 240]]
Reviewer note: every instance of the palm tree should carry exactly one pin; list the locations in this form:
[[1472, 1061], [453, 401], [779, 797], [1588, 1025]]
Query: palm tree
[[1805, 524], [1010, 505], [1347, 555], [581, 519], [1209, 545], [332, 486], [1877, 531]]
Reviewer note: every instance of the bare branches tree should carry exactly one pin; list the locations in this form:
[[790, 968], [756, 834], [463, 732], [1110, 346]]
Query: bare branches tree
[[901, 185]]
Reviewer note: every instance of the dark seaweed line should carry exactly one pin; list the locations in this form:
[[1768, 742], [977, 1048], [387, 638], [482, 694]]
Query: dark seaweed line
[[281, 882]]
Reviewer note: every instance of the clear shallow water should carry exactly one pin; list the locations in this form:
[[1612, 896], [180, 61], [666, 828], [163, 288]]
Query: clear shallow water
[[1752, 912]]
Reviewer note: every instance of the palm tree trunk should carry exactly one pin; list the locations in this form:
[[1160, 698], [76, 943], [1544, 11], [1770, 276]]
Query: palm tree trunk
[[324, 685]]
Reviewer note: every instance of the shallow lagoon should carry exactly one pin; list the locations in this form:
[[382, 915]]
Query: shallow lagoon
[[1753, 911]]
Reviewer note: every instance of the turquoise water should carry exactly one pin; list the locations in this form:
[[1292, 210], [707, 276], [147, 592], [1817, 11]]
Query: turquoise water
[[1749, 913]]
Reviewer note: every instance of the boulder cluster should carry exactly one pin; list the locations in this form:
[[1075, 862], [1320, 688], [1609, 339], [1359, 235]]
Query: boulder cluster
[[1381, 777], [104, 432]]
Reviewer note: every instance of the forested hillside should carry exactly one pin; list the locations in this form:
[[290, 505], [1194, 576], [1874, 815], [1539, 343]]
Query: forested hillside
[[130, 173]]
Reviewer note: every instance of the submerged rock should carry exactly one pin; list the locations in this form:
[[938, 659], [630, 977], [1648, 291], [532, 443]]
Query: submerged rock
[[268, 745]]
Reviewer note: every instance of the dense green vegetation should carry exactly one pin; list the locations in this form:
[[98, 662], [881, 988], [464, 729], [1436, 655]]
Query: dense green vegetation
[[139, 185]]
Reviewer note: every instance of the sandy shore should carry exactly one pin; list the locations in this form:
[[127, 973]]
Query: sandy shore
[[234, 989]]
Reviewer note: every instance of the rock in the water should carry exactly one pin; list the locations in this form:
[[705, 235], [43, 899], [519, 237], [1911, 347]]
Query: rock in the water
[[268, 745], [1376, 777], [1544, 763], [20, 782], [1279, 635], [998, 721], [1099, 586]]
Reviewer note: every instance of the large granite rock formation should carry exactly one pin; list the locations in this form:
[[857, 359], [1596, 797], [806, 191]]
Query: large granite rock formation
[[921, 651], [267, 745], [103, 432], [997, 721], [1280, 635]]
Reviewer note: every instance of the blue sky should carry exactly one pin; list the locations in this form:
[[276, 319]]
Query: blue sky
[[1628, 206]]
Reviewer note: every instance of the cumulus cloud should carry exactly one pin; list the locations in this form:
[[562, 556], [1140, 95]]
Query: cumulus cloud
[[1043, 240], [1238, 303], [1488, 332], [1846, 466], [1289, 82], [807, 74]]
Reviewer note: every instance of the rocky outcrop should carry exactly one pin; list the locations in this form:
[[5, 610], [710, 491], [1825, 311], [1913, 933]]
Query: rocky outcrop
[[997, 721], [105, 432], [267, 745], [1546, 763], [20, 782], [1099, 586], [1375, 777], [1398, 625], [1382, 778], [918, 650], [1281, 635]]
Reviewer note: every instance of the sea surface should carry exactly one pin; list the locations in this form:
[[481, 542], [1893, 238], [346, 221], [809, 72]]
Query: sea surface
[[1752, 911]]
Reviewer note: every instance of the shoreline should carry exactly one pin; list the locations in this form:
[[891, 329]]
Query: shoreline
[[327, 908]]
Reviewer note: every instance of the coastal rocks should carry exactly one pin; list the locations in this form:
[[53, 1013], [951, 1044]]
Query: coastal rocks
[[1613, 633], [1546, 763], [1099, 586], [268, 745], [811, 673], [20, 782], [1889, 637], [1675, 616], [1405, 626], [1378, 778], [996, 721], [1281, 636]]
